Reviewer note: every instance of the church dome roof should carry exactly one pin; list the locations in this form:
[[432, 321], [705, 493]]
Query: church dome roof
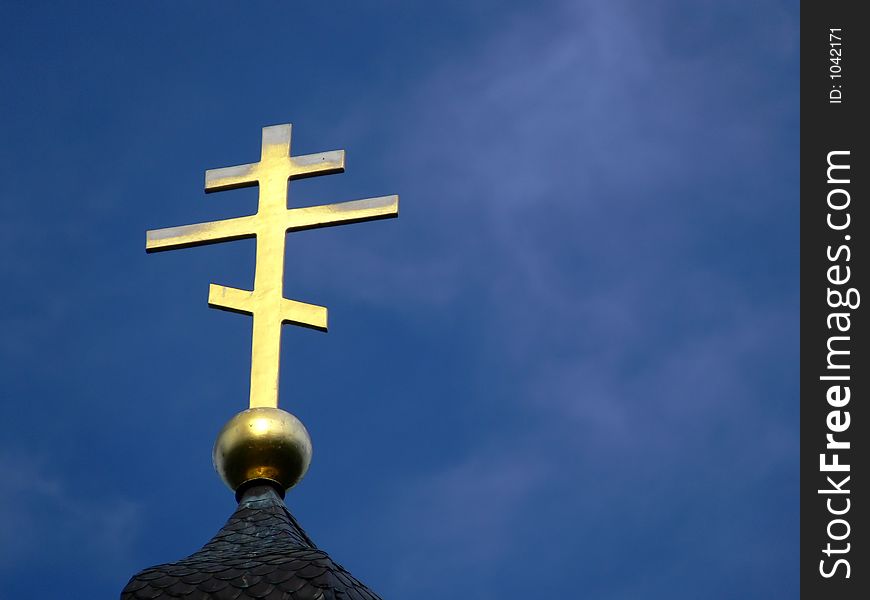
[[261, 553]]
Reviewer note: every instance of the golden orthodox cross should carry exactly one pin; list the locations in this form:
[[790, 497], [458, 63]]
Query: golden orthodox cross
[[266, 302]]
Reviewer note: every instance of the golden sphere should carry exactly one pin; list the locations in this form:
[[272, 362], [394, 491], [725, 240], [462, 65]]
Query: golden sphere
[[262, 443]]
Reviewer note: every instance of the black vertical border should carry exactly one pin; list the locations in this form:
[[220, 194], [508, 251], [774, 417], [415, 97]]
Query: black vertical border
[[825, 127]]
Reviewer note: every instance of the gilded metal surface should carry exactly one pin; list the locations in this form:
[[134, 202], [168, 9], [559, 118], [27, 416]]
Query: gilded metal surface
[[269, 225], [262, 443]]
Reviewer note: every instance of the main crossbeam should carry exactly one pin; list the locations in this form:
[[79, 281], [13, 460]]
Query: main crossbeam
[[295, 219], [269, 226]]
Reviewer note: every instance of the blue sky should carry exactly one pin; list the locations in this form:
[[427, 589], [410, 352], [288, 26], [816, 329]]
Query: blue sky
[[569, 369]]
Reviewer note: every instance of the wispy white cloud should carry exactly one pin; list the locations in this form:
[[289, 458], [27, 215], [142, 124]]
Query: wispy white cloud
[[92, 530], [632, 351]]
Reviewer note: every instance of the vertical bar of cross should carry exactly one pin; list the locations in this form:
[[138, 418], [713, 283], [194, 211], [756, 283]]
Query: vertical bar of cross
[[269, 274]]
